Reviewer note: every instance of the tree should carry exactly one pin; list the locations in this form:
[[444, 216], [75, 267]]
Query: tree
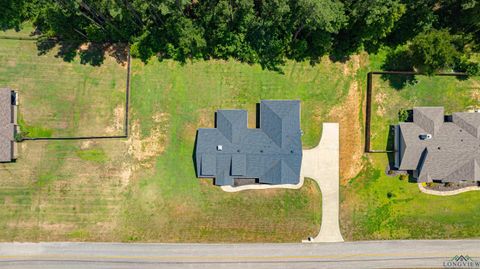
[[461, 16], [226, 24], [370, 21], [419, 17], [268, 33], [256, 31], [12, 14], [313, 26], [434, 50]]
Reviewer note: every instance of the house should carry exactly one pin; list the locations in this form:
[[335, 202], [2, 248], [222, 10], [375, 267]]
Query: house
[[271, 154], [438, 148], [8, 125]]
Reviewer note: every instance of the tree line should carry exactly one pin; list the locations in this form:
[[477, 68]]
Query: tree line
[[429, 34]]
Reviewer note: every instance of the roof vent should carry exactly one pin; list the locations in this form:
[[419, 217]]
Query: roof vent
[[425, 136], [219, 147]]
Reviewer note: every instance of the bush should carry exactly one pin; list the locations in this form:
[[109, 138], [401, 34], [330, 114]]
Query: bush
[[19, 137], [433, 51], [403, 115], [465, 65]]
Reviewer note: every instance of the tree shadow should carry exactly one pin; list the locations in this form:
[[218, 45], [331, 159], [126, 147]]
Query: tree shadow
[[399, 60], [93, 54]]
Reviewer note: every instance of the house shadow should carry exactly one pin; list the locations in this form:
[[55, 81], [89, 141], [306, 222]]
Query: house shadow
[[257, 115], [390, 148], [194, 153]]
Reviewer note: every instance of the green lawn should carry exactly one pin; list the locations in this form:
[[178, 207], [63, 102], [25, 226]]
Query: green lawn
[[175, 205], [62, 189], [452, 93], [59, 98], [25, 32], [144, 188], [376, 206]]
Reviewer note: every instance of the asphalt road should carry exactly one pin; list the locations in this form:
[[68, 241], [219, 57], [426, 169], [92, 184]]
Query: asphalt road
[[366, 254]]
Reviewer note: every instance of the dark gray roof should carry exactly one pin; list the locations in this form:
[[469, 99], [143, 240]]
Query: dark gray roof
[[271, 153], [453, 152], [6, 126]]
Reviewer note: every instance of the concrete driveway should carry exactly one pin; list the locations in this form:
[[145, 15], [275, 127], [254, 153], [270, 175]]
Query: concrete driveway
[[322, 165]]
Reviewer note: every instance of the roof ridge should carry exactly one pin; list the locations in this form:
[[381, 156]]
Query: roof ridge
[[463, 168], [287, 165], [267, 133]]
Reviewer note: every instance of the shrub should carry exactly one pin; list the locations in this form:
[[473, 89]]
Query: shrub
[[403, 115], [19, 137], [435, 50]]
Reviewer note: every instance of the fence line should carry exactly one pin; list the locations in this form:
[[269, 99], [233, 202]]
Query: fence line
[[368, 105], [126, 122]]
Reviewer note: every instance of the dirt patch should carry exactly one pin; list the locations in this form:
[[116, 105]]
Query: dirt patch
[[145, 149], [86, 144], [11, 63], [124, 174], [380, 102], [348, 115], [55, 227], [205, 120], [160, 117], [118, 118], [476, 95]]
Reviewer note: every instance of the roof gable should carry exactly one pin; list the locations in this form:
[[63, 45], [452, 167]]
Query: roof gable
[[429, 119], [470, 122], [232, 124], [469, 171]]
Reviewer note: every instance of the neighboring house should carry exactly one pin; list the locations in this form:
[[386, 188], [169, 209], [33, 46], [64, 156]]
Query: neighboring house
[[438, 148], [8, 125], [271, 154]]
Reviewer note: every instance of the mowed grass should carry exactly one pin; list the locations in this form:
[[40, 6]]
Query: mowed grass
[[375, 206], [168, 203], [62, 190], [144, 188], [454, 94], [58, 98]]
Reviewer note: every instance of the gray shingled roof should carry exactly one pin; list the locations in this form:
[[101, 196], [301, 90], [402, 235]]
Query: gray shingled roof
[[6, 126], [272, 154], [451, 155]]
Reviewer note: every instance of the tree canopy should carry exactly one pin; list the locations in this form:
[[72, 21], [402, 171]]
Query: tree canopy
[[259, 31]]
